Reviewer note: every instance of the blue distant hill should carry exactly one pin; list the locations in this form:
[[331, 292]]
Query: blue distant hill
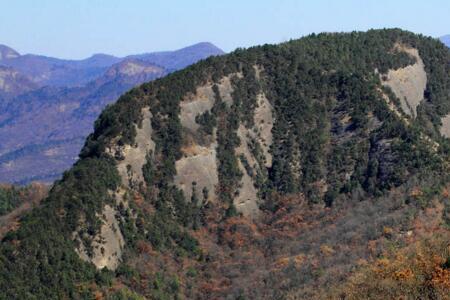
[[48, 105], [445, 39]]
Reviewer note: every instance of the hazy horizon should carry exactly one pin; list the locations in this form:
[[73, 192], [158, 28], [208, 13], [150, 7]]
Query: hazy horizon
[[78, 29]]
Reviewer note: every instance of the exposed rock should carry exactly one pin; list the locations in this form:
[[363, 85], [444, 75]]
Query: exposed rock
[[107, 244], [445, 128], [408, 83], [195, 105], [198, 165], [226, 89], [392, 107], [263, 125], [246, 201], [131, 158], [199, 162]]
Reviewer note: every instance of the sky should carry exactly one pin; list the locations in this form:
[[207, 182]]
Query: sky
[[79, 28]]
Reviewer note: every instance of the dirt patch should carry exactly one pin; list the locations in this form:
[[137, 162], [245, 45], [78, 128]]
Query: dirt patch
[[408, 83]]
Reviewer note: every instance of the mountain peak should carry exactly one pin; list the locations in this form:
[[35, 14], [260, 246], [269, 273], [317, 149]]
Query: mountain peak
[[206, 46], [181, 58], [7, 52]]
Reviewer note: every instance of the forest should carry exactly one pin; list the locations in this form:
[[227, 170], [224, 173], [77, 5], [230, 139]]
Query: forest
[[383, 179]]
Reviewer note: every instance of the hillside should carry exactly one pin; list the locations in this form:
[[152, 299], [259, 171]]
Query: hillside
[[13, 83], [42, 128], [277, 172]]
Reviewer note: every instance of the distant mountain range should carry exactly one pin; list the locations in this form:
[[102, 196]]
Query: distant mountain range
[[48, 105], [313, 169], [445, 39]]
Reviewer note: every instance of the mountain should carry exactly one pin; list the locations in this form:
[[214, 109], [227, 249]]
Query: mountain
[[12, 83], [57, 72], [175, 60], [445, 39], [42, 129], [313, 169], [70, 73], [7, 53]]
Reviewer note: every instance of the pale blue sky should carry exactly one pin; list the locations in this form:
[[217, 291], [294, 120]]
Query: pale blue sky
[[79, 28]]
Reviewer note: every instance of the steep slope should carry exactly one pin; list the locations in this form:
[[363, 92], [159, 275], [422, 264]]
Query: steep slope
[[62, 117], [269, 173]]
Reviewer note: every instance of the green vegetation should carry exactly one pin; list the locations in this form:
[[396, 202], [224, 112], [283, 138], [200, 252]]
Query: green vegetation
[[10, 198], [334, 140], [38, 260]]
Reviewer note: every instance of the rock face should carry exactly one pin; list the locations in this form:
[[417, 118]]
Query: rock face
[[445, 128], [247, 200], [408, 83], [263, 127], [198, 165], [107, 245], [131, 158], [197, 169]]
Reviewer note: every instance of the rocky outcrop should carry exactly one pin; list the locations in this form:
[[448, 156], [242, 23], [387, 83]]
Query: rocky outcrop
[[263, 126], [107, 245], [408, 83], [445, 128], [197, 169], [131, 158]]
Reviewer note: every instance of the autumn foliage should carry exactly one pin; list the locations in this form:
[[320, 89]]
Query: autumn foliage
[[420, 271]]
